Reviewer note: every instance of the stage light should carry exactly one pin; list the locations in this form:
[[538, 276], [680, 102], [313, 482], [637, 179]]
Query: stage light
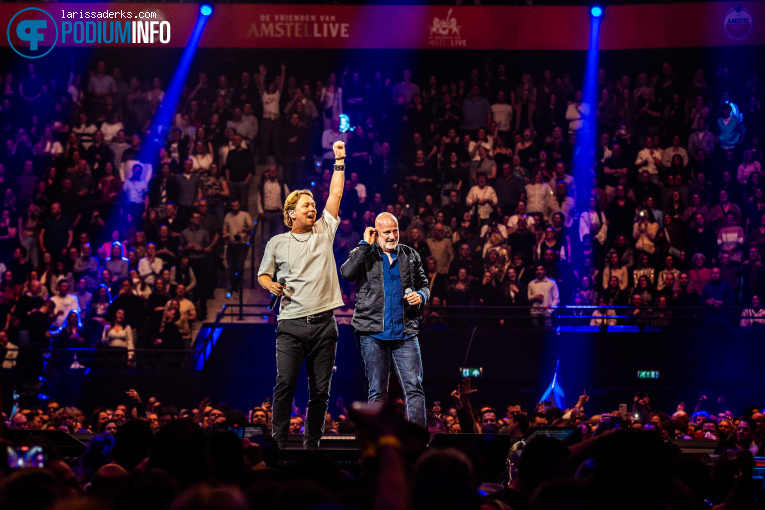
[[345, 123], [555, 390], [163, 118], [584, 160]]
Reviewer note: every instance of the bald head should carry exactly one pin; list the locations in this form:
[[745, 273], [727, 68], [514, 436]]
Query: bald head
[[385, 218], [386, 226]]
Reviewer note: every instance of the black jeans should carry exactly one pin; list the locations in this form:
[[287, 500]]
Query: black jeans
[[312, 339]]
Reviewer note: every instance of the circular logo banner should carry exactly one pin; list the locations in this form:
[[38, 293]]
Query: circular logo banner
[[737, 23]]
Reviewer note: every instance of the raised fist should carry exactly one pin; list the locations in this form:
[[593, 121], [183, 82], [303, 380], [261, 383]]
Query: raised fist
[[339, 148]]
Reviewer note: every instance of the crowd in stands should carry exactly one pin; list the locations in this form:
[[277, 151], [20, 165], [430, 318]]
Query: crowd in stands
[[110, 239], [151, 455], [103, 211]]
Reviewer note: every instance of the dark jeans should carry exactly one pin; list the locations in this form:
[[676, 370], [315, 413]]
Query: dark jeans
[[404, 356], [297, 341], [236, 254]]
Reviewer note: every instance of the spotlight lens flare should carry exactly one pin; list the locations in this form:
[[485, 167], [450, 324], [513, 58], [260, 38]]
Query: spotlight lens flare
[[345, 123], [596, 11], [205, 9]]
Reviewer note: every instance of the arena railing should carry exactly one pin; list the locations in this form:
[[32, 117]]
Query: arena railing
[[569, 316]]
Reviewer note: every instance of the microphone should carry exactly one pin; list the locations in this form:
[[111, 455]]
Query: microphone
[[274, 297], [406, 292]]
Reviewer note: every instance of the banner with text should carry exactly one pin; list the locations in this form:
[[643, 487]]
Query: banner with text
[[45, 25]]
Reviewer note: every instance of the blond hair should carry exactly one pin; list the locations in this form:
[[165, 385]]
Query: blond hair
[[291, 203]]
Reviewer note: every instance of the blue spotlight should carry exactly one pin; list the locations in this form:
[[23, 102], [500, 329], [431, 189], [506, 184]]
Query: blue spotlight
[[584, 160], [555, 390], [162, 120]]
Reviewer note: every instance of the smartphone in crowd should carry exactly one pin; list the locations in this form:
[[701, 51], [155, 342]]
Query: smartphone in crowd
[[20, 457]]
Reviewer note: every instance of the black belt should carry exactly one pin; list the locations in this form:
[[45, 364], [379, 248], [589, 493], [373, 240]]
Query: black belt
[[274, 210], [317, 318]]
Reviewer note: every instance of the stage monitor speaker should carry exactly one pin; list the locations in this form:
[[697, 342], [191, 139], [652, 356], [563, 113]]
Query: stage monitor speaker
[[84, 437], [328, 442], [348, 459], [58, 437], [703, 449], [568, 435], [696, 446], [69, 447]]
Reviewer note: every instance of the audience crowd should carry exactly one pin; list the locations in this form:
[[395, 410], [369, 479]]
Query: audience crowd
[[214, 457], [103, 211], [114, 233]]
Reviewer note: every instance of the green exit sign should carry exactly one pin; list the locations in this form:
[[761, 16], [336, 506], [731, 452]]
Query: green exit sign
[[648, 374], [474, 373]]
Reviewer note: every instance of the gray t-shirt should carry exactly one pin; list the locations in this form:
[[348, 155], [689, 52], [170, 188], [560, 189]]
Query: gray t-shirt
[[307, 264]]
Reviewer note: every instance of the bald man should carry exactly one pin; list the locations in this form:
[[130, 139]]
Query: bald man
[[391, 291]]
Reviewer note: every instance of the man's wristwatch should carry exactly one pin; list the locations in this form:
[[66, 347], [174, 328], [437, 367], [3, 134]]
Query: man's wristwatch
[[339, 167]]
